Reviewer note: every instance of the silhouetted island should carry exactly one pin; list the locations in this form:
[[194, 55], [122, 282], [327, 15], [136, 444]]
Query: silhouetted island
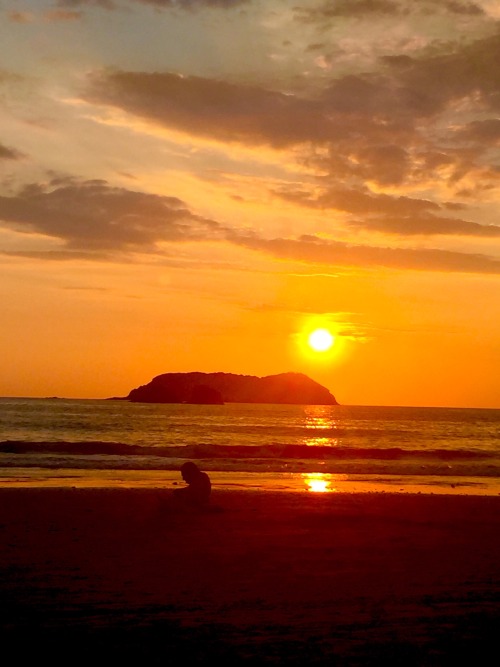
[[220, 388]]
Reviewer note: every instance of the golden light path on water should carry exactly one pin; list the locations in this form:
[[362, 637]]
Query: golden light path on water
[[318, 419]]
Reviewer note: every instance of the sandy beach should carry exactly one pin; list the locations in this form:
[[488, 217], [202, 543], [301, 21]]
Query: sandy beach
[[266, 578]]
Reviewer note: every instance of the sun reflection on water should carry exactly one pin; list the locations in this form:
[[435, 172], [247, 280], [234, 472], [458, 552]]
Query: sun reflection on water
[[318, 482], [320, 418]]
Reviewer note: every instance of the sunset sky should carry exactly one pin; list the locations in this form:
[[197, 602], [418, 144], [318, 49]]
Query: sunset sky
[[197, 185]]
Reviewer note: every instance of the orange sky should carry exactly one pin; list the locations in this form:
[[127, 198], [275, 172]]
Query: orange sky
[[197, 185]]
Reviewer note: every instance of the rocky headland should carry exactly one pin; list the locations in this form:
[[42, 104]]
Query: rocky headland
[[220, 388]]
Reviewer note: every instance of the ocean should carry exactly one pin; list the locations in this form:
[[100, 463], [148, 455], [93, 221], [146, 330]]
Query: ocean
[[82, 443]]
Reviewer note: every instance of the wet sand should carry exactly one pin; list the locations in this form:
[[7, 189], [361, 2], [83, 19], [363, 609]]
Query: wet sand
[[266, 578]]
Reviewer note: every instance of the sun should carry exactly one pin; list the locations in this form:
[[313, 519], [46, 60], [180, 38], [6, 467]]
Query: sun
[[320, 340]]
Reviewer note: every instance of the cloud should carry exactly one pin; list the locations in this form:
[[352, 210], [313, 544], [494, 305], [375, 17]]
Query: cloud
[[372, 8], [376, 124], [21, 17], [346, 8], [185, 5], [219, 110], [416, 88], [411, 124], [194, 4], [468, 72], [391, 214], [408, 123], [361, 201], [49, 16], [347, 114], [9, 153], [58, 15], [462, 7], [312, 249], [93, 216], [104, 4], [428, 225], [483, 132], [94, 220]]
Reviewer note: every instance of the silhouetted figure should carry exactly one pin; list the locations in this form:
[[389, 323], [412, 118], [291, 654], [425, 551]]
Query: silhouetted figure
[[196, 495]]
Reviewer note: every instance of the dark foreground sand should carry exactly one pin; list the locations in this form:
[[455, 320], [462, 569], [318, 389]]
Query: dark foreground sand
[[110, 576]]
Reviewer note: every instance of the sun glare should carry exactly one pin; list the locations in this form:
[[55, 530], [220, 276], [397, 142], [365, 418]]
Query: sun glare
[[320, 340], [318, 483]]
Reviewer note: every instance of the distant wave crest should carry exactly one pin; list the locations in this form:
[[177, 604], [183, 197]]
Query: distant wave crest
[[270, 451]]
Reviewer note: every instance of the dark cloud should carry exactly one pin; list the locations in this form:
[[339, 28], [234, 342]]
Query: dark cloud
[[217, 109], [362, 134], [95, 220], [484, 132], [469, 71], [346, 8], [347, 116], [360, 116], [428, 225], [93, 216], [9, 153], [105, 4], [370, 105], [419, 88], [467, 8], [160, 4], [393, 99], [405, 216], [312, 249], [359, 201], [194, 4], [389, 118], [329, 10]]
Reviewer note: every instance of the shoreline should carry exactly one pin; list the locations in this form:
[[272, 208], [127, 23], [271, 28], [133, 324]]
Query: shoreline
[[310, 483], [269, 578]]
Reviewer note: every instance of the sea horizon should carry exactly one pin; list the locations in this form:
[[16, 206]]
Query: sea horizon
[[340, 403]]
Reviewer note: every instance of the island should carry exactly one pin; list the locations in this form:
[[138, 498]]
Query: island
[[220, 388]]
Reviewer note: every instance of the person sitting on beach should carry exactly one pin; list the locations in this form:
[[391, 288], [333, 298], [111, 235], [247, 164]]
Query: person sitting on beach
[[196, 495]]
